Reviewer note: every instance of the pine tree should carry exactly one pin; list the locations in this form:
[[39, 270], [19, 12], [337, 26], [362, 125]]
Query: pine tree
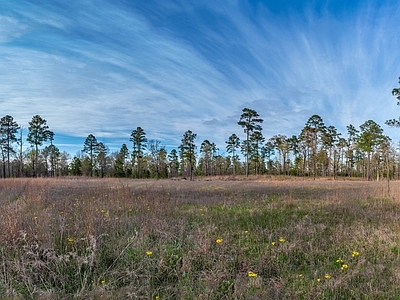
[[8, 130], [232, 144], [173, 164], [187, 150], [250, 121], [89, 147], [139, 140], [38, 133]]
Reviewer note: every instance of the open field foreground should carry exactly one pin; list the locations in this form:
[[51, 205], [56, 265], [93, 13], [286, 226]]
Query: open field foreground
[[220, 239]]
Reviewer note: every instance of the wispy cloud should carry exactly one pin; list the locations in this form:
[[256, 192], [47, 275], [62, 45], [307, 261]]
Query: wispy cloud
[[169, 66]]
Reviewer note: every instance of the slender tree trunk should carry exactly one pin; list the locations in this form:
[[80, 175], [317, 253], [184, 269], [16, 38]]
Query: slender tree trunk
[[4, 166], [388, 174], [20, 156], [247, 153], [36, 160], [233, 162], [91, 160], [8, 159], [138, 166]]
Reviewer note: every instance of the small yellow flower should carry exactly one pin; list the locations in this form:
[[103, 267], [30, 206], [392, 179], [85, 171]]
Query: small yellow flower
[[300, 275], [273, 243], [327, 276], [219, 241], [339, 260], [344, 266], [70, 240], [157, 297], [148, 253], [35, 217], [281, 239], [103, 281], [103, 211], [319, 279], [355, 253], [252, 274], [246, 231]]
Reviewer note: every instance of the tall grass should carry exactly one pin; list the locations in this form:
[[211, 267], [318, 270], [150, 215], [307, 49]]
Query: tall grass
[[221, 239]]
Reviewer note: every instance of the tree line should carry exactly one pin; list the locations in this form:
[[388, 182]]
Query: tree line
[[318, 150]]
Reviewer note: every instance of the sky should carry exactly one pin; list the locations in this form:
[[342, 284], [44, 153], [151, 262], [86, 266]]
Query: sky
[[105, 67]]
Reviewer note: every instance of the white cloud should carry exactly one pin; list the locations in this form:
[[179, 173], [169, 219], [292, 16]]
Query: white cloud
[[105, 70], [11, 29]]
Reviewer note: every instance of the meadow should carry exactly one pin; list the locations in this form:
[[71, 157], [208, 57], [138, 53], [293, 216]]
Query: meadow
[[220, 238]]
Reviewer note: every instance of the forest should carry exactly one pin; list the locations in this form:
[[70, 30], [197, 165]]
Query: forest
[[319, 150]]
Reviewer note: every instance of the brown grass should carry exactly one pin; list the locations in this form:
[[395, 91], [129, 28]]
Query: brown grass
[[87, 238]]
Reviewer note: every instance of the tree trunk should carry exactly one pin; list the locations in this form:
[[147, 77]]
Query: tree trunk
[[36, 161]]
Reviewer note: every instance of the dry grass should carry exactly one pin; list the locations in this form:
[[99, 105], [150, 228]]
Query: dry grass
[[141, 239]]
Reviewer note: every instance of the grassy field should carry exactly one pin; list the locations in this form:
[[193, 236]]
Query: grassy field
[[217, 239]]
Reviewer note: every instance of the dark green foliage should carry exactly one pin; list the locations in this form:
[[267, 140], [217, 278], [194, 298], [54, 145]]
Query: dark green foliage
[[370, 136], [38, 134], [250, 121], [232, 144], [76, 167], [120, 161], [8, 130], [187, 151], [90, 146], [173, 163], [139, 140], [395, 122]]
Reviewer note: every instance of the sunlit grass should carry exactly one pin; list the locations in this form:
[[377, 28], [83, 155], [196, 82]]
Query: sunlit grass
[[124, 239]]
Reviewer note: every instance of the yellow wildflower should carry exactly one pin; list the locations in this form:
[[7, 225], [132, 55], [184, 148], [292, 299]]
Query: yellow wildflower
[[281, 239], [344, 266], [327, 276], [273, 243], [219, 241], [70, 239], [339, 260], [319, 279], [148, 253], [252, 274], [355, 253]]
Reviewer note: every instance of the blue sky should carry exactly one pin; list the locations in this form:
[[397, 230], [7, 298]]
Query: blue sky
[[106, 67]]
